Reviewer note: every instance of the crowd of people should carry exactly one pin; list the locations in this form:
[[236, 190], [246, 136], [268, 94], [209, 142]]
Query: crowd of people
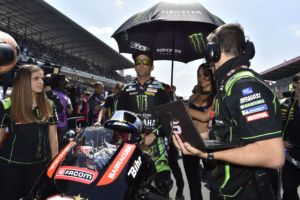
[[31, 49], [231, 103]]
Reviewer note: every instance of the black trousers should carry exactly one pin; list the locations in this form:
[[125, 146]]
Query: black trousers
[[16, 181], [173, 162], [249, 193], [193, 174], [290, 181], [60, 136]]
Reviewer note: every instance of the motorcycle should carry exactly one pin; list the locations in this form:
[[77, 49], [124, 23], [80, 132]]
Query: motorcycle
[[91, 167]]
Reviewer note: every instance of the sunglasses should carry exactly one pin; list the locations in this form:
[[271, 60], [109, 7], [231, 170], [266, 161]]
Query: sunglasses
[[144, 62]]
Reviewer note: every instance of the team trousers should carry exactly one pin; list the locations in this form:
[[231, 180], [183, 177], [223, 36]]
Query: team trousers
[[16, 181], [290, 181], [193, 174]]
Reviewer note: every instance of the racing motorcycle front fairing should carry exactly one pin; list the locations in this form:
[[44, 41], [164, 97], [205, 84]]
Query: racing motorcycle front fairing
[[89, 167]]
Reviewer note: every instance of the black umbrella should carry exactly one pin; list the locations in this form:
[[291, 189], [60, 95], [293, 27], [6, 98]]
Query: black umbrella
[[170, 31]]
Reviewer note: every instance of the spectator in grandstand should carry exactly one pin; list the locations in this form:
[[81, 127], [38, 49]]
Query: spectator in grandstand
[[95, 102], [108, 107], [58, 88], [30, 119], [9, 51], [291, 126]]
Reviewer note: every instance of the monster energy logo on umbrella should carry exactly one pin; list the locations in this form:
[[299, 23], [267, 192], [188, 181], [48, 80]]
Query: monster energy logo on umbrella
[[197, 42]]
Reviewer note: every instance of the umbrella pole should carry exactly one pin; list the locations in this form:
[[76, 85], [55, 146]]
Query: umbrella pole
[[172, 69], [173, 53]]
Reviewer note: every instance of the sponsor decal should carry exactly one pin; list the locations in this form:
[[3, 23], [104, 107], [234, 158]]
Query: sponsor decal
[[250, 98], [78, 197], [59, 158], [176, 127], [130, 88], [153, 90], [135, 167], [149, 122], [76, 174], [219, 122], [133, 93], [247, 91], [154, 86], [138, 46], [197, 40], [254, 109], [181, 12], [168, 51], [116, 167], [150, 93], [251, 104], [257, 116]]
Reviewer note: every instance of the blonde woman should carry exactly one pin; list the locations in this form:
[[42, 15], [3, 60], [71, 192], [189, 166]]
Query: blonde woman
[[30, 119]]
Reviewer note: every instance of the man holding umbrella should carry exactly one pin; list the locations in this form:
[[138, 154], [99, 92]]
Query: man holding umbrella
[[140, 96], [246, 115]]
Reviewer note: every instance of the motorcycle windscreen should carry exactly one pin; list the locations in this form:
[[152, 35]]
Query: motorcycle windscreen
[[82, 164]]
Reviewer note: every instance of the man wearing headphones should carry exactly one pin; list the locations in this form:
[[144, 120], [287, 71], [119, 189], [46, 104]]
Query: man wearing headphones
[[246, 114]]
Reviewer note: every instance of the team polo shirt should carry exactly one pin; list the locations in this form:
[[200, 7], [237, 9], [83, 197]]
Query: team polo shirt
[[26, 143], [251, 106], [254, 108]]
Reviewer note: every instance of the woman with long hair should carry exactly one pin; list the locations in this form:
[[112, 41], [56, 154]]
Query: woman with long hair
[[200, 104], [30, 120]]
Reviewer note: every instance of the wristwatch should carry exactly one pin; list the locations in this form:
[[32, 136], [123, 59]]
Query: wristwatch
[[210, 157]]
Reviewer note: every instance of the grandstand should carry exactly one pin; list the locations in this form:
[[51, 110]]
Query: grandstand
[[46, 35], [283, 73]]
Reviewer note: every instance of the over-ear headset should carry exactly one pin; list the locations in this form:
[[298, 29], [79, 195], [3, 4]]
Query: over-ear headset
[[7, 54], [212, 52]]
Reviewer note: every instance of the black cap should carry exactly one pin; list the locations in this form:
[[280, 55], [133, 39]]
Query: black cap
[[139, 52]]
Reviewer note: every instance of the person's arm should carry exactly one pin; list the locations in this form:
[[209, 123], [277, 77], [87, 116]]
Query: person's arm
[[69, 106], [266, 153], [200, 116], [2, 135], [121, 102], [3, 122], [100, 116], [53, 140]]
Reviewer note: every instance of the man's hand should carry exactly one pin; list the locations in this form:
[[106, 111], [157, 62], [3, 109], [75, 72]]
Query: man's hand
[[186, 148], [149, 139], [97, 124]]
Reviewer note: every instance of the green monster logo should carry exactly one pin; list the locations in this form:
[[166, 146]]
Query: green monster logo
[[197, 42], [142, 102]]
